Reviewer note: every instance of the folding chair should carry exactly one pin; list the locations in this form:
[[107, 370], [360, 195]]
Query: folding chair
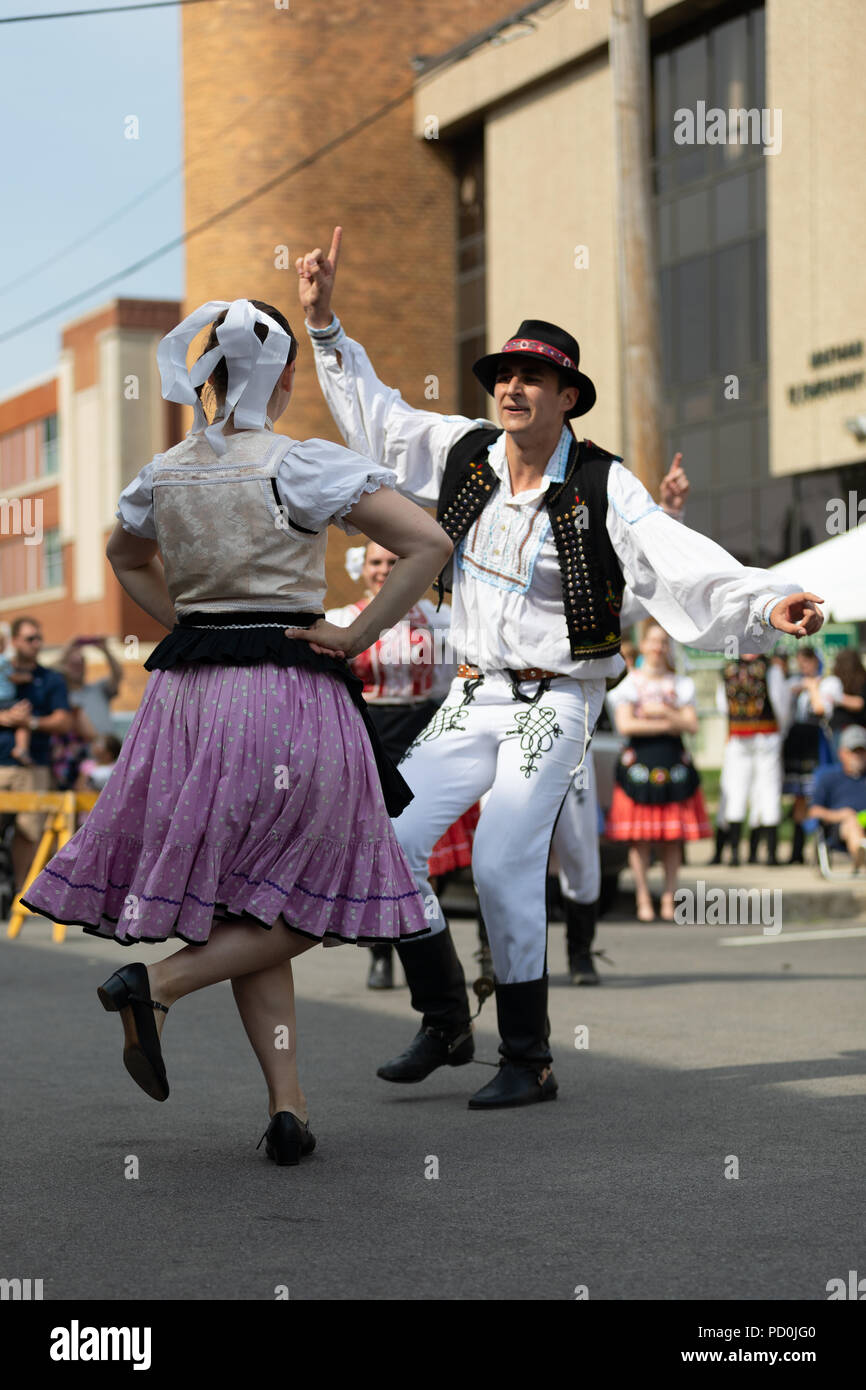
[[838, 868]]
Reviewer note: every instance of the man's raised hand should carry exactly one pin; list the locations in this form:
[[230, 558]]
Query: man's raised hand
[[674, 488], [316, 277]]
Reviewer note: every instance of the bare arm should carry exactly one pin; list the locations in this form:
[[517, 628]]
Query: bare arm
[[683, 720], [829, 817], [423, 547], [140, 573], [114, 667], [60, 721]]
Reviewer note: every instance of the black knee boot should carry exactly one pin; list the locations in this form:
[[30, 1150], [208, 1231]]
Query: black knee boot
[[580, 920], [438, 988], [797, 846], [772, 834], [721, 841], [381, 974], [525, 1074], [734, 833], [754, 841]]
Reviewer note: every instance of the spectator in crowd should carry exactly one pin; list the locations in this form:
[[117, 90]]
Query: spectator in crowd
[[43, 708], [840, 796], [90, 705], [93, 697], [847, 689], [10, 679], [96, 770], [809, 740], [657, 798]]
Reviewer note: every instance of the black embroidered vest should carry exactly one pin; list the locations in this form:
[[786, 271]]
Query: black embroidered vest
[[749, 708], [592, 579]]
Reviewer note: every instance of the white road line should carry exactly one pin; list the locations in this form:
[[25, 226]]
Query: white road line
[[783, 937]]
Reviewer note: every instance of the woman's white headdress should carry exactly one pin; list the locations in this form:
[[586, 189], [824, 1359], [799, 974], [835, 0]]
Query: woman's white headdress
[[354, 560], [253, 366]]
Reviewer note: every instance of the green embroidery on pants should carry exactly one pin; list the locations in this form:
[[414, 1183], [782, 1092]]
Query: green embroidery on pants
[[446, 718], [537, 728]]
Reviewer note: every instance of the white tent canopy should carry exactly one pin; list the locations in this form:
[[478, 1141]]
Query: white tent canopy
[[835, 570]]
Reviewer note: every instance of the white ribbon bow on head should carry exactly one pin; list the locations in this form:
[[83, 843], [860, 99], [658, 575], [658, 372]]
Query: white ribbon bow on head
[[355, 560], [254, 366]]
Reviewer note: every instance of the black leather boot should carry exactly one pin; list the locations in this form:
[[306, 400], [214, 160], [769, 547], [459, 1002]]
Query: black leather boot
[[721, 841], [381, 974], [525, 1074], [772, 834], [580, 920], [734, 833], [797, 845], [438, 989], [754, 841]]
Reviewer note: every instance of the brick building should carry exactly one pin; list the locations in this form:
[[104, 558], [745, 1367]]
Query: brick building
[[69, 444], [265, 87]]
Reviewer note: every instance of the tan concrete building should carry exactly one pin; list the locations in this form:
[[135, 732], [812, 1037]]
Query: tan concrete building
[[761, 234]]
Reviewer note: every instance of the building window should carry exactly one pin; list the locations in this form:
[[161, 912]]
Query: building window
[[473, 400], [50, 461], [710, 203], [52, 571], [29, 452]]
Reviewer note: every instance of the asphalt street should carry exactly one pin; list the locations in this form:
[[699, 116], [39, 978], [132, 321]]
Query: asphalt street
[[698, 1053]]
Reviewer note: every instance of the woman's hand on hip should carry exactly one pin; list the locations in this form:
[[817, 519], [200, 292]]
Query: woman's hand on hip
[[326, 638]]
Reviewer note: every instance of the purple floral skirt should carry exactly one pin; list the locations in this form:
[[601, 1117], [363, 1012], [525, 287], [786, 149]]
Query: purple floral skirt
[[239, 791]]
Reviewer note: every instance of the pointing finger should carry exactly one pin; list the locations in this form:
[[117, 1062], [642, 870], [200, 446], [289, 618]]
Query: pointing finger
[[334, 252]]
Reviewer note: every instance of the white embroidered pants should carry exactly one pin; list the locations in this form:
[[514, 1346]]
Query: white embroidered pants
[[525, 756], [752, 778], [575, 839]]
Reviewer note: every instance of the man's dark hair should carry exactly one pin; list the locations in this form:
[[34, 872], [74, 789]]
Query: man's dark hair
[[18, 623]]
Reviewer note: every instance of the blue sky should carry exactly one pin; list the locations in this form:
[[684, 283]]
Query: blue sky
[[66, 87]]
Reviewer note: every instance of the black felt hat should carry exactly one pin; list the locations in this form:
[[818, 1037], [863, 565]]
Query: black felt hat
[[552, 345]]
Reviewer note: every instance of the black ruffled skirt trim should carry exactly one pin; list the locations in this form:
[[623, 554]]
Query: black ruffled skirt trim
[[223, 645]]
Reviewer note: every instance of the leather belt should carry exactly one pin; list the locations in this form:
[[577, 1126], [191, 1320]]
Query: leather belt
[[528, 673]]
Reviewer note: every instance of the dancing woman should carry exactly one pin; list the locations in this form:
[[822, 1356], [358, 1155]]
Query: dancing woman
[[248, 812]]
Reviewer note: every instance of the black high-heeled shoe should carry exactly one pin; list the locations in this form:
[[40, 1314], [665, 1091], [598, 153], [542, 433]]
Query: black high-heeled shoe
[[288, 1140], [126, 992]]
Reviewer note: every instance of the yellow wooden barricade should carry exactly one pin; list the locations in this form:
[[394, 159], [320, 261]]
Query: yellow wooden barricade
[[59, 827]]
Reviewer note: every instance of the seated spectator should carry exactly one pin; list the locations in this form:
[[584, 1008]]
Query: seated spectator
[[840, 796]]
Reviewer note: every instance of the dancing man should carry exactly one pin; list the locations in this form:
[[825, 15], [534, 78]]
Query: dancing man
[[547, 533]]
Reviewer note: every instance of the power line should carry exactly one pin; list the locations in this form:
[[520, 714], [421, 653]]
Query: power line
[[120, 212], [120, 9], [216, 217]]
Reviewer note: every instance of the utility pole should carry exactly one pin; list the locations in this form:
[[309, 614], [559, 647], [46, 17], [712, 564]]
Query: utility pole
[[639, 316]]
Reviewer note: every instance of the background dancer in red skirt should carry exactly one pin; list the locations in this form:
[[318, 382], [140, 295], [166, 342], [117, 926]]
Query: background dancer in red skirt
[[246, 812], [657, 799]]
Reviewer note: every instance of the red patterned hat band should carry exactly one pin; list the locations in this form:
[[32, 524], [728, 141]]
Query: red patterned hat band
[[532, 345]]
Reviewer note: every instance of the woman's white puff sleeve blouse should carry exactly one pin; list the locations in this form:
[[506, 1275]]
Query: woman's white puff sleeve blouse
[[318, 482]]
